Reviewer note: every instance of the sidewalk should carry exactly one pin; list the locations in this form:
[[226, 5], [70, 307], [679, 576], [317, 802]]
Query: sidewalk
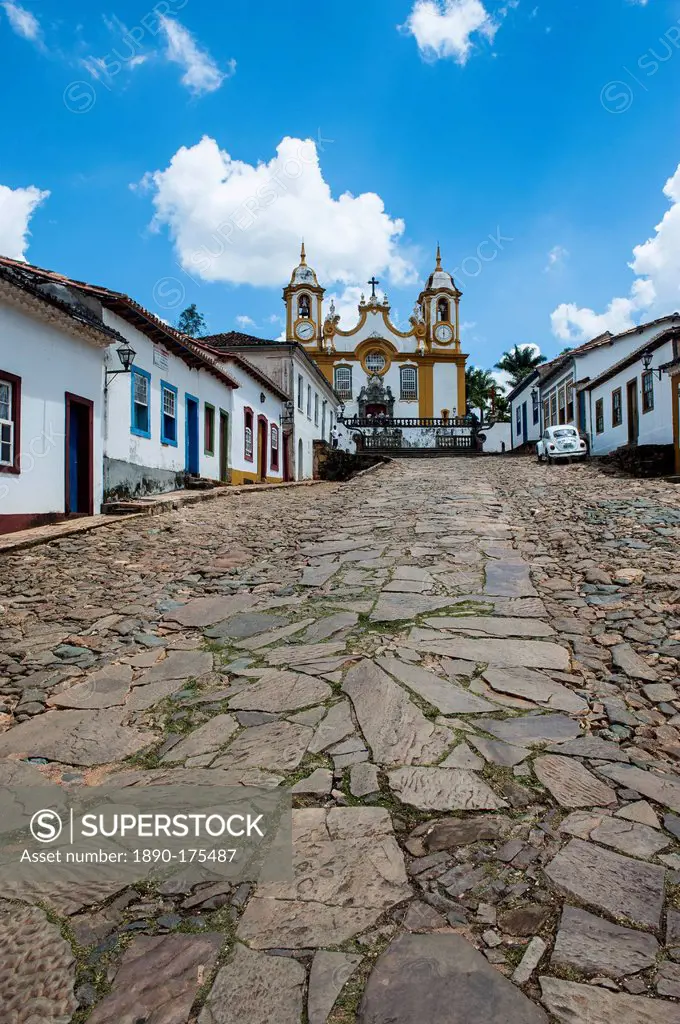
[[154, 505]]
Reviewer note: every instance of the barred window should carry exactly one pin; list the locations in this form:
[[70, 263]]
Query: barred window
[[617, 410], [409, 383], [275, 447], [375, 362], [647, 392], [599, 416], [248, 435], [343, 381]]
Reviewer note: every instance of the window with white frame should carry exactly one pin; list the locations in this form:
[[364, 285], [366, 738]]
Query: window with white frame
[[169, 414], [301, 391], [309, 401], [324, 409], [375, 362], [141, 385], [275, 447], [248, 435], [8, 416], [343, 381], [316, 409], [409, 383]]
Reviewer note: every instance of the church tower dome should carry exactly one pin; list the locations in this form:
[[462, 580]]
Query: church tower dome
[[439, 301], [303, 298]]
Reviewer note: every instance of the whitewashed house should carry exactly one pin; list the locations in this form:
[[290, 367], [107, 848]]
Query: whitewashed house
[[525, 411], [561, 399], [138, 408], [311, 403], [631, 402], [51, 404]]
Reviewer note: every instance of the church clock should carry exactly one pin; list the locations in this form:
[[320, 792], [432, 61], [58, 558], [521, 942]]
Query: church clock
[[305, 330], [443, 333]]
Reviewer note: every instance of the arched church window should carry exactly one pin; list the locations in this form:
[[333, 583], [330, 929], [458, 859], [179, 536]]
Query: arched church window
[[375, 362], [443, 310], [343, 381], [409, 383], [304, 307]]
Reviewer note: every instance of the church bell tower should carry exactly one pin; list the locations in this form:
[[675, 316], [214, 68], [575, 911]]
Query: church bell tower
[[440, 300], [304, 298]]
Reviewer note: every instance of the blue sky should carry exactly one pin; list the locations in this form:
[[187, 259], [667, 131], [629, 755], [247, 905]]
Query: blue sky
[[187, 148]]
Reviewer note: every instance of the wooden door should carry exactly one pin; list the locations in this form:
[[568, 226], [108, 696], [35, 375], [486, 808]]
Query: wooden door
[[224, 446], [261, 448], [633, 412]]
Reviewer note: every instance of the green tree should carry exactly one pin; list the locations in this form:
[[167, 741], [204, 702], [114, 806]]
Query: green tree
[[519, 363], [479, 384], [191, 322], [502, 407]]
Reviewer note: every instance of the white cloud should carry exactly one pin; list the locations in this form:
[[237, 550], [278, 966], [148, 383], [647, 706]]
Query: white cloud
[[444, 28], [16, 209], [201, 73], [556, 257], [236, 222], [23, 22], [245, 321], [654, 292]]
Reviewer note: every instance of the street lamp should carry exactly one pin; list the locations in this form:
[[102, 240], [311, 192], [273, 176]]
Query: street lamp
[[341, 417], [126, 355], [647, 357]]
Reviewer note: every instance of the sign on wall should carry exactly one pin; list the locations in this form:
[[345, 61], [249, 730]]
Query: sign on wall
[[160, 358]]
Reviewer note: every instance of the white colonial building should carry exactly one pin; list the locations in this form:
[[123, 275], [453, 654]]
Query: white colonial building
[[376, 369], [102, 401], [631, 402], [311, 404], [51, 404]]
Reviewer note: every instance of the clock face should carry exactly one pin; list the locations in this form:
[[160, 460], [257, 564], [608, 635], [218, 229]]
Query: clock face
[[305, 331], [443, 333]]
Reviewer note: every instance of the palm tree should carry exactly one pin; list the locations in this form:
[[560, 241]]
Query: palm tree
[[479, 385], [519, 363]]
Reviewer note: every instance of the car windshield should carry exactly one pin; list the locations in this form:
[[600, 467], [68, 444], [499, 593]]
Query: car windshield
[[570, 432]]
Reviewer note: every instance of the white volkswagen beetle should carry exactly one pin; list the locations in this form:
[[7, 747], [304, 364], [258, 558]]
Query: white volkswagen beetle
[[561, 443]]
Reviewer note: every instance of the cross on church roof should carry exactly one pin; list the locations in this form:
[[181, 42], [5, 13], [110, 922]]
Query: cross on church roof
[[373, 282]]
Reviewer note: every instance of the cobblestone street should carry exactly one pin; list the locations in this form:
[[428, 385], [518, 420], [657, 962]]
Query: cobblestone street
[[466, 670]]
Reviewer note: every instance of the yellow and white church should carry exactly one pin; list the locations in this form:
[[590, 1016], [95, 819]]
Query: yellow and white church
[[376, 369]]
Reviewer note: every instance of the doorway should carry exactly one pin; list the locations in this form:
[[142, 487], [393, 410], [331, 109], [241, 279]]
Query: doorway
[[300, 466], [525, 434], [633, 413], [262, 449], [287, 447], [79, 462], [224, 446], [191, 442]]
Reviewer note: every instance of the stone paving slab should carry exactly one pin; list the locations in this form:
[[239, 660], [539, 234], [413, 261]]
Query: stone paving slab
[[453, 700]]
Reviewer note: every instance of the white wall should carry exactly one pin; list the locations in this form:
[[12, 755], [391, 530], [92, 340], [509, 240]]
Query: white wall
[[497, 436], [533, 431], [50, 363], [446, 389], [247, 395], [151, 454], [655, 426], [305, 428]]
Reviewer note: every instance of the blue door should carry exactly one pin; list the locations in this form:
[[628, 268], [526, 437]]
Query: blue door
[[192, 456], [524, 422]]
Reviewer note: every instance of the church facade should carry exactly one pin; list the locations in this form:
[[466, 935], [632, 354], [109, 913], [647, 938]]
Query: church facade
[[377, 369]]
